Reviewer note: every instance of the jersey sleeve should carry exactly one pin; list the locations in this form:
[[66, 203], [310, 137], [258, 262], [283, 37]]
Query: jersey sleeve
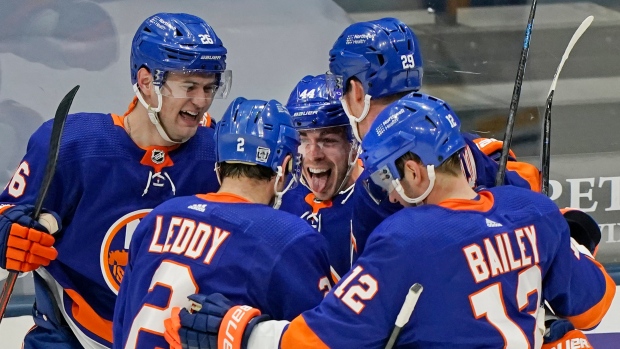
[[300, 277], [483, 152], [576, 286], [23, 188], [361, 309]]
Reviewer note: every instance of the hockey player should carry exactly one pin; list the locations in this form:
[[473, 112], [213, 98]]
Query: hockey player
[[111, 171], [230, 241], [379, 62], [329, 154], [485, 259]]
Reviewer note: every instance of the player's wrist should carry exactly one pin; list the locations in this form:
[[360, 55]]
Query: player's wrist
[[248, 330], [237, 321]]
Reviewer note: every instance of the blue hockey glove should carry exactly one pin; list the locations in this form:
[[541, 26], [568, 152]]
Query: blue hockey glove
[[562, 334], [200, 327], [25, 244]]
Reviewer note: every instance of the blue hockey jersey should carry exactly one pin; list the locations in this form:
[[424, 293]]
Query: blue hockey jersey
[[371, 205], [251, 253], [485, 265], [331, 218], [103, 186]]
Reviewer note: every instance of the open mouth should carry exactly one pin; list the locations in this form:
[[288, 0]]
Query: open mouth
[[318, 179], [188, 116]]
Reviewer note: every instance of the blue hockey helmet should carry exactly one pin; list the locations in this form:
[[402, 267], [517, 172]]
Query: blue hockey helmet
[[256, 132], [383, 54], [417, 123], [315, 103], [179, 42], [259, 132]]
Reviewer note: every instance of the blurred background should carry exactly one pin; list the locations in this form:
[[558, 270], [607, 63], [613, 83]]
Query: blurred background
[[471, 49]]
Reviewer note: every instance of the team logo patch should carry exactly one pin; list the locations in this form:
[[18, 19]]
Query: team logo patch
[[115, 248], [262, 154], [158, 156]]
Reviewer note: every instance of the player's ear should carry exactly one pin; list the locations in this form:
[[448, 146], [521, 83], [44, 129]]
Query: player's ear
[[356, 91], [287, 164], [412, 171], [145, 81]]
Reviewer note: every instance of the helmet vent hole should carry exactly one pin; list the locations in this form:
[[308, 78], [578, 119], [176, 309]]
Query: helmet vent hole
[[177, 32], [431, 121], [147, 29], [432, 98], [381, 59], [268, 126]]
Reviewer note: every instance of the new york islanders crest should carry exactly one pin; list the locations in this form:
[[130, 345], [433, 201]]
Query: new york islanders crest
[[115, 248]]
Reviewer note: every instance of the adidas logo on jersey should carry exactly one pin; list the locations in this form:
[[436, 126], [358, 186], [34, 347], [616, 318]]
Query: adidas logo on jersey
[[492, 224], [198, 207]]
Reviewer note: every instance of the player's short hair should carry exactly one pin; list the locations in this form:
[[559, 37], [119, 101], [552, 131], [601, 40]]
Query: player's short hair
[[451, 167], [240, 170]]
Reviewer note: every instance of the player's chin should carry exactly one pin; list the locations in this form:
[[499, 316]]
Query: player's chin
[[326, 194]]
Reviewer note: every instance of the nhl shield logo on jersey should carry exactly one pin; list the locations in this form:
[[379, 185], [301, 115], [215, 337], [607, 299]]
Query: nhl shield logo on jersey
[[158, 156], [115, 248]]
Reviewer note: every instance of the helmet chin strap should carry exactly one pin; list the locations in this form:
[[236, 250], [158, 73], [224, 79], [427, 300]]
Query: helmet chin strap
[[354, 120], [355, 149], [154, 113], [217, 173], [278, 197], [399, 188]]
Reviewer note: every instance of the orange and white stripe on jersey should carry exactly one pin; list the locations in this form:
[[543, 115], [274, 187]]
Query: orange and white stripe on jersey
[[299, 335]]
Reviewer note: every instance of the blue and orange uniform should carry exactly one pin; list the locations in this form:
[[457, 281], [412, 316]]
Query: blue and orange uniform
[[103, 186], [478, 160], [485, 265], [218, 242], [331, 218]]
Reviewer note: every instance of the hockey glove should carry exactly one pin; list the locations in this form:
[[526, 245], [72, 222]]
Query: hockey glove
[[583, 228], [26, 244], [562, 334], [211, 321]]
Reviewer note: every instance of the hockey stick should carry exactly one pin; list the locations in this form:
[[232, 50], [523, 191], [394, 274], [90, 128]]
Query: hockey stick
[[546, 144], [514, 102], [50, 168], [405, 313]]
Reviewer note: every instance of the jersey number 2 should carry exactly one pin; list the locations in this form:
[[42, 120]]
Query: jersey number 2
[[174, 276], [489, 303]]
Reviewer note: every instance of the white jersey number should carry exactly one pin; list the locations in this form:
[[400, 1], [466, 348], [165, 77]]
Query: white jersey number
[[365, 290], [17, 185], [489, 303], [179, 279]]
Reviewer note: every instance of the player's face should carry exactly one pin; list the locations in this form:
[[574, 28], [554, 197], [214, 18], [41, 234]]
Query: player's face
[[186, 97], [325, 154]]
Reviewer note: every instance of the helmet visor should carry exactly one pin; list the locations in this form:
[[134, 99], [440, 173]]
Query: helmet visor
[[333, 88], [197, 84]]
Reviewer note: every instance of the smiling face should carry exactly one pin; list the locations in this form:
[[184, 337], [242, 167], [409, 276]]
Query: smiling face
[[325, 154], [185, 98]]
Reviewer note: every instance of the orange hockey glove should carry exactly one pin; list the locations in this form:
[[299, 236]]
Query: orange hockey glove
[[25, 244]]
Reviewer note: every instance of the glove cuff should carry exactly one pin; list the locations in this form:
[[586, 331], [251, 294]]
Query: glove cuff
[[234, 324]]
